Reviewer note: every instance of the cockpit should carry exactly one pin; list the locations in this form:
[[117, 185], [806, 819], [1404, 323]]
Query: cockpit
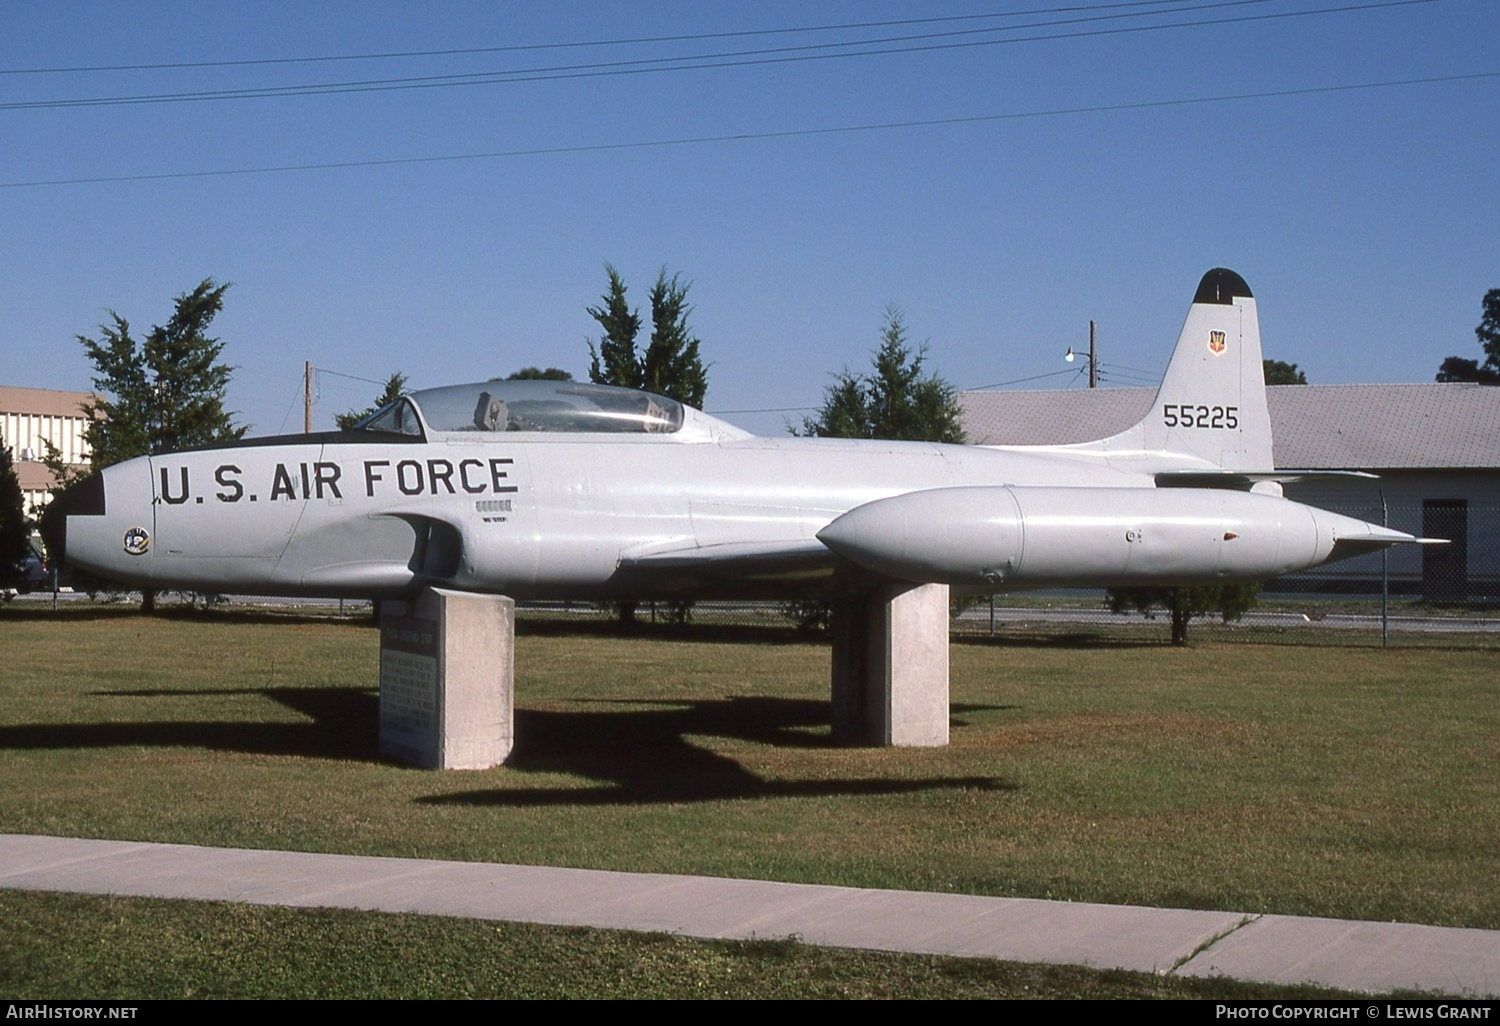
[[554, 406]]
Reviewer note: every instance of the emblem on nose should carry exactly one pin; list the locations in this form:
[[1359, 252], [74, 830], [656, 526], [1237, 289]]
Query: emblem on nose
[[137, 541]]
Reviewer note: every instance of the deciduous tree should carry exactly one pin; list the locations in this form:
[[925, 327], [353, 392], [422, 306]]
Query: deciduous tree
[[1230, 601], [1456, 368], [15, 528], [1279, 372]]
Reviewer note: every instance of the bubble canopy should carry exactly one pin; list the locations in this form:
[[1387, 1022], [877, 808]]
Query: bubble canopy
[[555, 406]]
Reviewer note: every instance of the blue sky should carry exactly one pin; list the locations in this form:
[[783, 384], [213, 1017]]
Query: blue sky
[[1367, 221]]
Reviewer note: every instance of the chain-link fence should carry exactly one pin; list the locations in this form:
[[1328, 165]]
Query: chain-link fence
[[1445, 595], [1404, 595], [1281, 617]]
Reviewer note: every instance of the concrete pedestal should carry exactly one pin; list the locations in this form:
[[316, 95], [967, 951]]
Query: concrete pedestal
[[890, 664], [447, 679]]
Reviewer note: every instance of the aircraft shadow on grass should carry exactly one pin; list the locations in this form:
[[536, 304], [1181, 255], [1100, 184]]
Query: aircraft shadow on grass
[[641, 748], [344, 725], [647, 756]]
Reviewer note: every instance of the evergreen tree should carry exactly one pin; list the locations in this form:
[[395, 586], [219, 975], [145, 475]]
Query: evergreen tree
[[615, 362], [167, 391], [538, 374], [120, 421], [394, 386], [671, 365], [895, 401]]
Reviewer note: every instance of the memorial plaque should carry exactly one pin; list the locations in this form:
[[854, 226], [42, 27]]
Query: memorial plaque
[[447, 679], [409, 689]]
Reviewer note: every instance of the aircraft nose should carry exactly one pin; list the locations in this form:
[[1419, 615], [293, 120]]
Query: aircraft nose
[[84, 499]]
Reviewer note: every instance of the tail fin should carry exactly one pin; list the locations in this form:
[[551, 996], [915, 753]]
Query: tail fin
[[1211, 406]]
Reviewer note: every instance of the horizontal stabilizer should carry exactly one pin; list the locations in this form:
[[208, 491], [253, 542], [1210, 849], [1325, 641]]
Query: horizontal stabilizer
[[1377, 538], [1243, 480]]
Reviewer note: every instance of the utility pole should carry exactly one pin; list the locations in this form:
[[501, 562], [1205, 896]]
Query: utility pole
[[1093, 358], [307, 400], [1385, 578], [1070, 356]]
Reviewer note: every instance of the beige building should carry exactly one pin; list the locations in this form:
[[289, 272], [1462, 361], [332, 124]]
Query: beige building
[[29, 419]]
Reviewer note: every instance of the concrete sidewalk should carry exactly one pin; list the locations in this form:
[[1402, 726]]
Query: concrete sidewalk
[[1277, 949]]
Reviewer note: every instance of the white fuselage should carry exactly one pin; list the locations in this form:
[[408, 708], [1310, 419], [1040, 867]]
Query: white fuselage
[[571, 516], [574, 490], [534, 515]]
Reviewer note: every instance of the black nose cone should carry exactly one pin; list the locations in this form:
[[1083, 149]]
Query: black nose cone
[[84, 499]]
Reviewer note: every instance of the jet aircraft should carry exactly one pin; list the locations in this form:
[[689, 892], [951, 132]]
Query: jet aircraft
[[546, 489]]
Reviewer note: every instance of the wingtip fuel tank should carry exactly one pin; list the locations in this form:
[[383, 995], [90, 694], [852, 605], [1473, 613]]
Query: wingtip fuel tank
[[1016, 537]]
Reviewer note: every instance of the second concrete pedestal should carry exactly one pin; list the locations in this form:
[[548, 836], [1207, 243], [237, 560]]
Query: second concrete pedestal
[[890, 664], [447, 679]]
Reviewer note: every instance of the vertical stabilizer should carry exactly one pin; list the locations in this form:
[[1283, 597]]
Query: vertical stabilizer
[[1212, 403]]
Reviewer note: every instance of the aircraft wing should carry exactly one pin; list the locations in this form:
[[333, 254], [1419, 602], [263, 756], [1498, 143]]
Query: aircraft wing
[[737, 569]]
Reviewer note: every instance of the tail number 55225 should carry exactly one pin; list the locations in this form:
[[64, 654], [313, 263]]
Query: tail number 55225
[[1186, 415]]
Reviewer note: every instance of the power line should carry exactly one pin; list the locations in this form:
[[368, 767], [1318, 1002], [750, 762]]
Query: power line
[[296, 400], [598, 69], [1138, 370], [352, 377], [657, 65], [1143, 380], [977, 388], [578, 44], [1017, 381], [754, 136]]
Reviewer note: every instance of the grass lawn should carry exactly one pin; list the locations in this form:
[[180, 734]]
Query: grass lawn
[[1347, 783], [57, 945], [1353, 783]]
